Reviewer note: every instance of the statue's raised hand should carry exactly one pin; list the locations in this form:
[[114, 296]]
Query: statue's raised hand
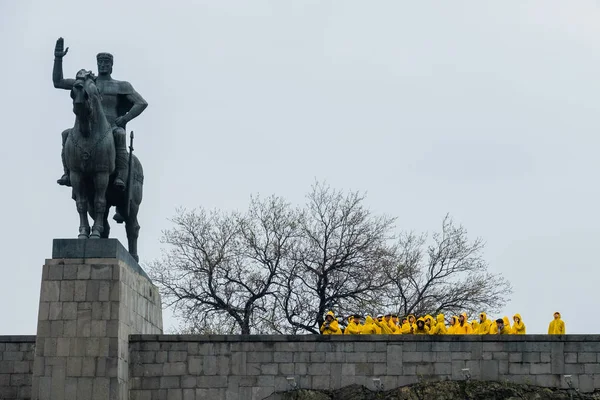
[[59, 49]]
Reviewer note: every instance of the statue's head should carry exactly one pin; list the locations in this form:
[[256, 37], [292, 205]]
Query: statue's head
[[105, 63]]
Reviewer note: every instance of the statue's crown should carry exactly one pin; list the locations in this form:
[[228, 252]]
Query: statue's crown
[[105, 56]]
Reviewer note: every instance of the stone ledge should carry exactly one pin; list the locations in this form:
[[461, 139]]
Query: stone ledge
[[363, 338], [94, 248], [17, 339]]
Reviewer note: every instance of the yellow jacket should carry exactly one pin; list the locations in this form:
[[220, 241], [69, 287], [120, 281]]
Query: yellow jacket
[[493, 328], [424, 331], [519, 326], [369, 327], [465, 328], [333, 328], [506, 329], [557, 326], [353, 329], [440, 327], [507, 323], [429, 319], [383, 326], [453, 324], [396, 330], [409, 328], [484, 324]]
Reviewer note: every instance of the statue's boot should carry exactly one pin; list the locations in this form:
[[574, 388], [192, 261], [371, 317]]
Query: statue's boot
[[64, 180]]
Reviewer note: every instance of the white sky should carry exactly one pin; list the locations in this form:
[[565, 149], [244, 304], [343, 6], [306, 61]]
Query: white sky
[[486, 110]]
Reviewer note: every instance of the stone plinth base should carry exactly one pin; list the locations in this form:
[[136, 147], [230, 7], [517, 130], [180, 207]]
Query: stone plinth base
[[93, 296]]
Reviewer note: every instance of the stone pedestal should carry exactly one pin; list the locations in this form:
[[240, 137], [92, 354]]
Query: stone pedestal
[[93, 296]]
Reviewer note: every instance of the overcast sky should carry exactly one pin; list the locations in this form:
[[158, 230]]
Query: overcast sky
[[488, 111]]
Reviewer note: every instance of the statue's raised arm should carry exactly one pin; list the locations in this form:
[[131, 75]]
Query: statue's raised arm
[[57, 72]]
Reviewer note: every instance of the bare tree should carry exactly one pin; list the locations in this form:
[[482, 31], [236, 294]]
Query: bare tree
[[338, 260], [449, 275], [268, 232], [221, 268], [276, 269]]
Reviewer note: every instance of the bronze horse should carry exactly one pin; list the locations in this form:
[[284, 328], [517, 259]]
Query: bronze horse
[[90, 156]]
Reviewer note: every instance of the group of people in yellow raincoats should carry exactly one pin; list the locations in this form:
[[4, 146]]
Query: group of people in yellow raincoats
[[390, 324]]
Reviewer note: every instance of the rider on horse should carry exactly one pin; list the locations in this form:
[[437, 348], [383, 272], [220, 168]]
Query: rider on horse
[[121, 104]]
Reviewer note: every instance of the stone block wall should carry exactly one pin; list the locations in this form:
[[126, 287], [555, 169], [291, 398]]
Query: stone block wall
[[16, 367], [191, 367]]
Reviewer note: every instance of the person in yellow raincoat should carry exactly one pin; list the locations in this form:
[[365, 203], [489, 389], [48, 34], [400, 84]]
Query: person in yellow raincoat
[[330, 326], [369, 327], [502, 328], [557, 326], [507, 323], [410, 326], [494, 328], [354, 327], [518, 326], [475, 327], [396, 322], [395, 329], [429, 322], [453, 324], [421, 328], [376, 321], [484, 324], [463, 327], [383, 325], [440, 327]]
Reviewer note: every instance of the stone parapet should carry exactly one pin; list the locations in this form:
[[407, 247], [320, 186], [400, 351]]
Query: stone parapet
[[253, 367]]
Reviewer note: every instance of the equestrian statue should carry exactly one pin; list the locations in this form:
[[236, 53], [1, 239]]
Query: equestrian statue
[[96, 163]]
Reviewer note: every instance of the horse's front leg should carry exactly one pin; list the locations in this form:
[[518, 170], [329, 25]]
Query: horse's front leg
[[100, 185], [82, 204]]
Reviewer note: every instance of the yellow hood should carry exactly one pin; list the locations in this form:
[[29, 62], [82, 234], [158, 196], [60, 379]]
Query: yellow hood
[[518, 316], [330, 313], [440, 318], [368, 320], [506, 321], [483, 317], [454, 320]]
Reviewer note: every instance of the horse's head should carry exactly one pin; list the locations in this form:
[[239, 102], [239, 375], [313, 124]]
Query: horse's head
[[84, 93]]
